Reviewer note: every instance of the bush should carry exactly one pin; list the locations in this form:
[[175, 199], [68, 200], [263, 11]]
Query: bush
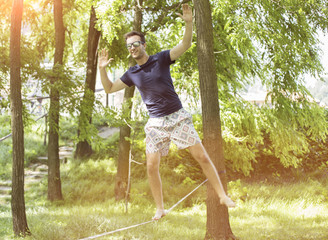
[[316, 158], [88, 181], [267, 140]]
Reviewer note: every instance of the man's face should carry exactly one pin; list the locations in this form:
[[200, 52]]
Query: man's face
[[136, 52]]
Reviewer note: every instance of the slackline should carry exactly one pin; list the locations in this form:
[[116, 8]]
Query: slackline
[[143, 223]]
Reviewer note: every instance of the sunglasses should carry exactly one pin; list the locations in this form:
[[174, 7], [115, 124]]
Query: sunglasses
[[134, 44]]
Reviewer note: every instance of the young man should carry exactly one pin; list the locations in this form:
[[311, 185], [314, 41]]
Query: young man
[[168, 120]]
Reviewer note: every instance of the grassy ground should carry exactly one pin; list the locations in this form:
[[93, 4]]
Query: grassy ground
[[284, 211], [294, 211]]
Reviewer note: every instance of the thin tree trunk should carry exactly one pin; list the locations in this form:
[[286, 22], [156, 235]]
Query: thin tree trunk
[[83, 148], [121, 182], [217, 227], [54, 182], [17, 195]]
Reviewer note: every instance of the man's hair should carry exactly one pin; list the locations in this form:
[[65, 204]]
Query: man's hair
[[135, 33]]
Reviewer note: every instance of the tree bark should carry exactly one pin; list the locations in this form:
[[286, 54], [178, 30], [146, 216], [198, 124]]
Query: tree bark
[[121, 181], [54, 182], [83, 148], [17, 195], [217, 226]]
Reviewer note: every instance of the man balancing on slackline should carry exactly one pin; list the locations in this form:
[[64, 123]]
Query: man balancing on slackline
[[168, 121]]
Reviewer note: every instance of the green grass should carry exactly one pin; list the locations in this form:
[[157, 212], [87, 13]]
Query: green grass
[[285, 211], [293, 211]]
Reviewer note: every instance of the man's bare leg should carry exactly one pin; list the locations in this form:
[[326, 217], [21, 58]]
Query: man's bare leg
[[153, 161], [199, 153]]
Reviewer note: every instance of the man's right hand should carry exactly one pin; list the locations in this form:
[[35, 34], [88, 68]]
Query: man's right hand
[[103, 60]]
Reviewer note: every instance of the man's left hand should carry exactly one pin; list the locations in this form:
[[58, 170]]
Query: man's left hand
[[186, 13]]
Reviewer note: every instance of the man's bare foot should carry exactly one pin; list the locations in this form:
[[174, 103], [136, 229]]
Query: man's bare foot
[[159, 214], [227, 202]]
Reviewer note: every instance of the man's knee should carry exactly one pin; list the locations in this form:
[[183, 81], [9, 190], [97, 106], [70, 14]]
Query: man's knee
[[202, 158], [153, 164], [200, 155], [152, 168]]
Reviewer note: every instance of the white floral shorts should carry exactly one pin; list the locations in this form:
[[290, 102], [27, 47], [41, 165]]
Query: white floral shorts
[[176, 127]]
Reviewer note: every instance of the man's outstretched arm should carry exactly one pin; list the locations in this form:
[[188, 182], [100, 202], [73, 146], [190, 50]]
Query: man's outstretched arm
[[108, 85], [183, 46]]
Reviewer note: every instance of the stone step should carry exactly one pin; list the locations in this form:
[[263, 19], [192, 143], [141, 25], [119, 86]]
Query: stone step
[[30, 183], [64, 152], [42, 158], [66, 149], [105, 132], [37, 167], [30, 180], [35, 174], [62, 155]]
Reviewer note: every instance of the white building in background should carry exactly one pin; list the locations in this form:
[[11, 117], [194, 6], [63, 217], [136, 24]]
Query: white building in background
[[258, 97]]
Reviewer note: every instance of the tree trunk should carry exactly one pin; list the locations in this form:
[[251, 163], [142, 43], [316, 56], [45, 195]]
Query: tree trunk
[[54, 182], [218, 226], [83, 148], [121, 182], [17, 195]]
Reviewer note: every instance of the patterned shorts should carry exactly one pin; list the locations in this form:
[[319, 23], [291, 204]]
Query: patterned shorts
[[176, 127]]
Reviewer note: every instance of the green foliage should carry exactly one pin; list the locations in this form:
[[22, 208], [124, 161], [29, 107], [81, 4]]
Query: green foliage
[[241, 131], [5, 146], [5, 161], [265, 39], [106, 147], [315, 160], [237, 191], [180, 164], [34, 147], [113, 25], [5, 121], [289, 136], [33, 144], [4, 40], [269, 37], [186, 80], [112, 17], [92, 180], [68, 129], [260, 136]]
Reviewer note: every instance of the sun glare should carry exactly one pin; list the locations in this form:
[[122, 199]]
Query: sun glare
[[36, 4]]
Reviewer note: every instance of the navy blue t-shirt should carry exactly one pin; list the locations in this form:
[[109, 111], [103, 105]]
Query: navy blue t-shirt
[[153, 79]]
